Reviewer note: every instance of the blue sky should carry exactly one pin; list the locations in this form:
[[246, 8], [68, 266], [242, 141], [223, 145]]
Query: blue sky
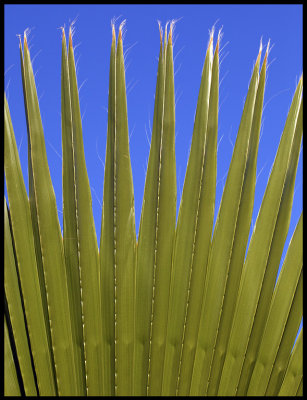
[[243, 27]]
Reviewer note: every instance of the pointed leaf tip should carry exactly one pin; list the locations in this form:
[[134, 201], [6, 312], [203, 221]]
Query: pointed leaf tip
[[219, 38], [267, 52], [211, 35], [113, 32], [161, 32], [210, 44], [260, 51], [63, 33], [25, 43], [120, 30], [171, 28], [264, 64], [70, 37], [20, 44]]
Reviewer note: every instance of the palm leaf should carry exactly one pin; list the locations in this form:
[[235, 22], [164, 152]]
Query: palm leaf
[[182, 311]]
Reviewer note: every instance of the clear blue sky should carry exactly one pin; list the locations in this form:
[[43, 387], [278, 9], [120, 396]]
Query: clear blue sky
[[243, 27]]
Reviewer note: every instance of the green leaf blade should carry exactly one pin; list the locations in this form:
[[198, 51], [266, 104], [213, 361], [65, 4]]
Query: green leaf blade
[[294, 317], [257, 256], [294, 373], [70, 234], [165, 228], [147, 241], [276, 248], [194, 225], [223, 235], [51, 242], [106, 254], [290, 281], [87, 246], [15, 308], [11, 384], [26, 261], [240, 239], [125, 237]]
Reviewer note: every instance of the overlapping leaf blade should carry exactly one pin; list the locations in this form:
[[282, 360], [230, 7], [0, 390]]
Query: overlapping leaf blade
[[26, 262], [294, 373], [15, 307], [84, 230], [277, 244], [300, 388], [33, 210], [106, 254], [147, 242], [286, 344], [175, 314], [240, 239], [193, 232], [11, 384], [205, 224], [118, 238], [70, 232], [124, 236], [258, 256], [288, 286], [50, 240], [227, 226], [166, 193]]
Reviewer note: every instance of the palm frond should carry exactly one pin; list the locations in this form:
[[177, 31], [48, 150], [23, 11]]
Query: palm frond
[[181, 311]]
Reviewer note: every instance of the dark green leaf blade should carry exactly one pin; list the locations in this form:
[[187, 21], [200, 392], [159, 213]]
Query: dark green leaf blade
[[257, 257], [240, 239], [124, 236], [223, 237], [106, 254], [51, 242], [70, 233], [15, 307], [165, 228], [11, 384], [274, 256], [26, 261], [194, 226], [87, 246], [289, 282], [147, 241], [294, 373]]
